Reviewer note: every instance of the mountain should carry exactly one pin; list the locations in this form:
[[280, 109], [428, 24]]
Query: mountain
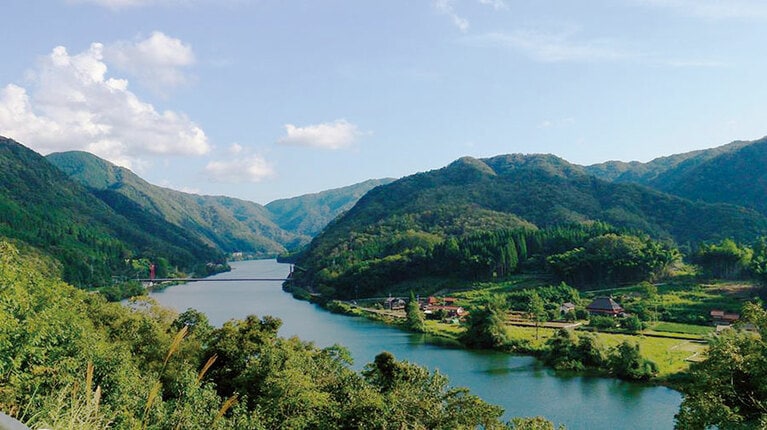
[[225, 223], [308, 214], [735, 173], [396, 225], [43, 207]]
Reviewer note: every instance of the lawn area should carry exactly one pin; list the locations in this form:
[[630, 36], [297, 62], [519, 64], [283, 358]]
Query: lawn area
[[671, 327], [671, 355]]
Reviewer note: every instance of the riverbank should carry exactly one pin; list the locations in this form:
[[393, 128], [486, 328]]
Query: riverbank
[[671, 352]]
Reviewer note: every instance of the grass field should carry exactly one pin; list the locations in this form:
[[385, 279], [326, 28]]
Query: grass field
[[690, 329]]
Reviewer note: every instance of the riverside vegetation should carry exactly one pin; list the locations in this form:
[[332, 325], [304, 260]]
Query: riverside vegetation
[[71, 360]]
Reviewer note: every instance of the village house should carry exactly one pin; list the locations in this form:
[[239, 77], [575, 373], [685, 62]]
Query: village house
[[394, 303], [567, 307], [450, 311], [720, 317], [605, 306]]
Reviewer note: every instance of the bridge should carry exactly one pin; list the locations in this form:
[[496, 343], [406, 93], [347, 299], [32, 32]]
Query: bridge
[[213, 279]]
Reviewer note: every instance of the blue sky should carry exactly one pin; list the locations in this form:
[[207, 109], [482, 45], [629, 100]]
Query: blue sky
[[267, 99]]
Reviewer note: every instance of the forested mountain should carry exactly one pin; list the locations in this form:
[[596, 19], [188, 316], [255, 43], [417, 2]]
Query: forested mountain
[[415, 218], [308, 214], [734, 173], [43, 207], [225, 223]]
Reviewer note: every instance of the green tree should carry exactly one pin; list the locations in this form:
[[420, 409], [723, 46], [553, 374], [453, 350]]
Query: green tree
[[626, 362], [487, 325], [414, 320], [728, 390], [533, 423], [537, 311], [726, 259], [413, 397]]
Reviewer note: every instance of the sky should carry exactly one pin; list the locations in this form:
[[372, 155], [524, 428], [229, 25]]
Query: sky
[[270, 99]]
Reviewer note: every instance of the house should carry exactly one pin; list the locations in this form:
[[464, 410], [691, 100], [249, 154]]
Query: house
[[720, 317], [567, 307], [394, 303], [605, 306], [449, 311]]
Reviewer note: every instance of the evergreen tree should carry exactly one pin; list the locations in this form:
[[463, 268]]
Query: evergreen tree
[[414, 320]]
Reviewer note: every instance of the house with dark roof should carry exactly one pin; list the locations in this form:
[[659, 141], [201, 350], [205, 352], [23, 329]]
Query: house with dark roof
[[605, 306]]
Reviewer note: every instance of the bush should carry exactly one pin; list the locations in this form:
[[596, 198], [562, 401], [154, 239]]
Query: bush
[[602, 322]]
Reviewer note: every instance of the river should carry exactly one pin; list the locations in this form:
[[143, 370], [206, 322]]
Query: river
[[520, 384]]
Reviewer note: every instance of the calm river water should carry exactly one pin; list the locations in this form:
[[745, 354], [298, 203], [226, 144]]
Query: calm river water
[[520, 384]]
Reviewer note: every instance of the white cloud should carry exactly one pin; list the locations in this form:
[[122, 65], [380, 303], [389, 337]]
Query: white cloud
[[73, 104], [446, 7], [566, 46], [249, 169], [330, 135], [714, 9], [156, 61], [557, 123], [495, 4], [554, 47]]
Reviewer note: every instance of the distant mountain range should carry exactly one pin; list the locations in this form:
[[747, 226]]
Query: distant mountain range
[[74, 204], [92, 213], [307, 215], [735, 173], [224, 223], [689, 198]]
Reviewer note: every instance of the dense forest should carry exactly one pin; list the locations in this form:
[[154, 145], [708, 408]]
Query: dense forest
[[42, 207], [486, 219]]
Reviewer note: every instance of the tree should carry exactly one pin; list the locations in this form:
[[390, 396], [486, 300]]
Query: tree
[[728, 390], [534, 423], [726, 259], [537, 311], [487, 326], [626, 362], [413, 397], [414, 319]]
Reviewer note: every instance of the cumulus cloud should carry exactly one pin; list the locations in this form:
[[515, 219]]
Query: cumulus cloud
[[330, 135], [156, 61], [252, 168], [71, 104]]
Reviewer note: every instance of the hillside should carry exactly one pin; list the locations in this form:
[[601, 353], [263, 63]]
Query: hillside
[[41, 206], [308, 214], [225, 223], [417, 214], [653, 171]]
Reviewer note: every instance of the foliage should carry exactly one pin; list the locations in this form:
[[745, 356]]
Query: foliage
[[565, 352], [613, 259], [69, 359], [626, 362], [726, 259], [728, 390], [414, 318], [42, 207], [534, 423], [486, 326]]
